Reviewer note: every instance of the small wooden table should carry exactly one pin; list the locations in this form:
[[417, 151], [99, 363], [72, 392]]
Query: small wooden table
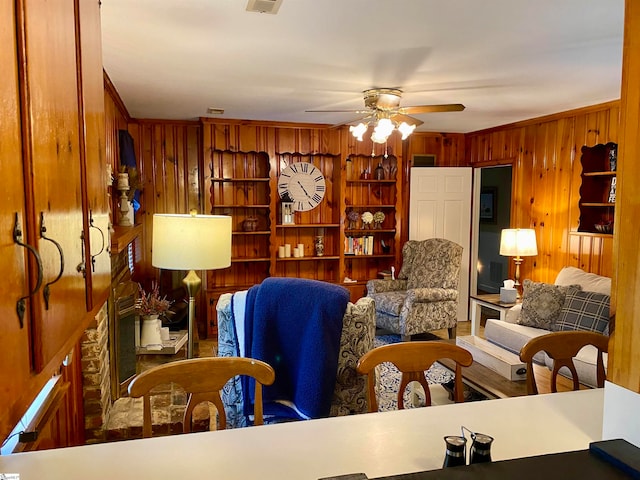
[[493, 385], [169, 347], [490, 300], [487, 382]]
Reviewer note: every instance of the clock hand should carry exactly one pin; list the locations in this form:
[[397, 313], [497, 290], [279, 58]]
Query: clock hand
[[303, 189]]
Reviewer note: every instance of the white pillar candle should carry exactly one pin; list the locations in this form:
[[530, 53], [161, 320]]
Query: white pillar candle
[[281, 251], [296, 252], [287, 250], [123, 181], [301, 249]]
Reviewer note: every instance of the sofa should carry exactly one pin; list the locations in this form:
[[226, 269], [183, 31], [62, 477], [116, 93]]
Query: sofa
[[576, 286], [356, 339]]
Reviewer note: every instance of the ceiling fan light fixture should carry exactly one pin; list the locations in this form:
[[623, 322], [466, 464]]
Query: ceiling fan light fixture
[[382, 130], [377, 137], [359, 130], [405, 129]]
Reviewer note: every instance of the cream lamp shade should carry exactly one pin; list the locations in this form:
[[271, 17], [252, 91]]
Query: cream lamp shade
[[518, 242], [191, 242]]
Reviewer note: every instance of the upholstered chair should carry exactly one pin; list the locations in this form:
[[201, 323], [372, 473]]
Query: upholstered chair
[[424, 297], [350, 393]]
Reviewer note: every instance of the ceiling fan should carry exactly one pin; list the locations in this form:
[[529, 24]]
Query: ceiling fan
[[382, 108]]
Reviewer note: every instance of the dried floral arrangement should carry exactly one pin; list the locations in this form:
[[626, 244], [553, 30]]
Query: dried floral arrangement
[[378, 217], [150, 303], [353, 216]]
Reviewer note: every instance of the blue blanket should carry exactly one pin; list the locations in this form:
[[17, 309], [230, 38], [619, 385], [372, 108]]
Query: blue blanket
[[295, 325]]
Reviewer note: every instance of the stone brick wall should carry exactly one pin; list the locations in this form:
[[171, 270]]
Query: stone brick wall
[[96, 377]]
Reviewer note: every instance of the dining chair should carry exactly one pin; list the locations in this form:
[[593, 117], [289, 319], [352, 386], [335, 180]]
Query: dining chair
[[561, 348], [202, 379], [412, 359]]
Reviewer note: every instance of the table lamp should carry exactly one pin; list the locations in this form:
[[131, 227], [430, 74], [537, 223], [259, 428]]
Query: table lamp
[[191, 242], [517, 243]]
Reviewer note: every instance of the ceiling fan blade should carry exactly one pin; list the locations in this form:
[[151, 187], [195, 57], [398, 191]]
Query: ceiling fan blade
[[449, 107], [338, 111], [399, 118], [354, 120]]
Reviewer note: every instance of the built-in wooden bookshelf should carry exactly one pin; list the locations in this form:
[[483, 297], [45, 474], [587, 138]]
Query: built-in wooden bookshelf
[[242, 164]]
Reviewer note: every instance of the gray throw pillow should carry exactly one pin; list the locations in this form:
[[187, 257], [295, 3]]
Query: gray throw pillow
[[542, 304], [584, 310]]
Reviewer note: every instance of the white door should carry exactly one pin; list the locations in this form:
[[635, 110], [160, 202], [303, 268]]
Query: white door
[[440, 207]]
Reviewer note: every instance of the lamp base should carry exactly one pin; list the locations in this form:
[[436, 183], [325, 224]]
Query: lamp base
[[192, 282], [517, 284]]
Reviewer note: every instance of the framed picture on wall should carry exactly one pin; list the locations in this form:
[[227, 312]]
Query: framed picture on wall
[[488, 203]]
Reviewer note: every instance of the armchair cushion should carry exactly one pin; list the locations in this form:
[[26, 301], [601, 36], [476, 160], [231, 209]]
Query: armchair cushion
[[432, 294], [432, 264], [390, 302]]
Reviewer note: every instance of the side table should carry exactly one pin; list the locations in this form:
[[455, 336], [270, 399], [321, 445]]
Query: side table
[[490, 300]]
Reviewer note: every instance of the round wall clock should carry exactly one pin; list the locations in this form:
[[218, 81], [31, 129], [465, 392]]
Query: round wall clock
[[304, 184]]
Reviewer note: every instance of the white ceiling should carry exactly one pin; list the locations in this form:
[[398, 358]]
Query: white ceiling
[[505, 60]]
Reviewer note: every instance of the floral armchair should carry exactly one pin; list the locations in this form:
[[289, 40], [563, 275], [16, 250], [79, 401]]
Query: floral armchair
[[424, 297]]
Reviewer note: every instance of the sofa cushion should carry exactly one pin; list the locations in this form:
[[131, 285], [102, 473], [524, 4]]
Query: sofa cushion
[[588, 281], [584, 310], [512, 337], [542, 304], [585, 363]]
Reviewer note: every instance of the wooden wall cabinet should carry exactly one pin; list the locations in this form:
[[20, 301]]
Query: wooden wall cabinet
[[50, 144], [598, 188], [93, 162]]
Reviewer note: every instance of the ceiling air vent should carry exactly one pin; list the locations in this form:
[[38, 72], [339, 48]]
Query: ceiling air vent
[[264, 6]]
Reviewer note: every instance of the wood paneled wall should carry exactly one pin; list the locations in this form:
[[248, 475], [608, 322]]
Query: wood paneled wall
[[624, 346], [167, 156], [545, 154]]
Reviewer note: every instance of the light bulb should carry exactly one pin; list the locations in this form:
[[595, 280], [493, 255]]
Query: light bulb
[[358, 130], [405, 129], [384, 127], [378, 138]]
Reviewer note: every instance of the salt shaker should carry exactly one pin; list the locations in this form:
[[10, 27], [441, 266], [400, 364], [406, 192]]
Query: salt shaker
[[456, 451], [480, 451]]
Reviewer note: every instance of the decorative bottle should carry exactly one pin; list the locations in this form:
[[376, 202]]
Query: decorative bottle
[[319, 245]]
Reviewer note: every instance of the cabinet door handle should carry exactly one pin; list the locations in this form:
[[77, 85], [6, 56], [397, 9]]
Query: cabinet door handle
[[93, 257], [47, 290], [21, 305]]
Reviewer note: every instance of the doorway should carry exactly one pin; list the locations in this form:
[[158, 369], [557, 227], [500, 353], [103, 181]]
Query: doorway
[[440, 207], [492, 213]]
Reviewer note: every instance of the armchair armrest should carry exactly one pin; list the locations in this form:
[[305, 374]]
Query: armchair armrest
[[431, 295], [379, 286]]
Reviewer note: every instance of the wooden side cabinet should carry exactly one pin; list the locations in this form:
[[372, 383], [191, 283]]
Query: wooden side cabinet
[[598, 188]]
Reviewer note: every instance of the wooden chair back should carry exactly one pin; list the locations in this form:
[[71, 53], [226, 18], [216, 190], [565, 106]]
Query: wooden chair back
[[202, 379], [413, 359], [561, 347]]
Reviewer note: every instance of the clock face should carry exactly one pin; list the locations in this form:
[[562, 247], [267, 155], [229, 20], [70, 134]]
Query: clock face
[[304, 183]]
